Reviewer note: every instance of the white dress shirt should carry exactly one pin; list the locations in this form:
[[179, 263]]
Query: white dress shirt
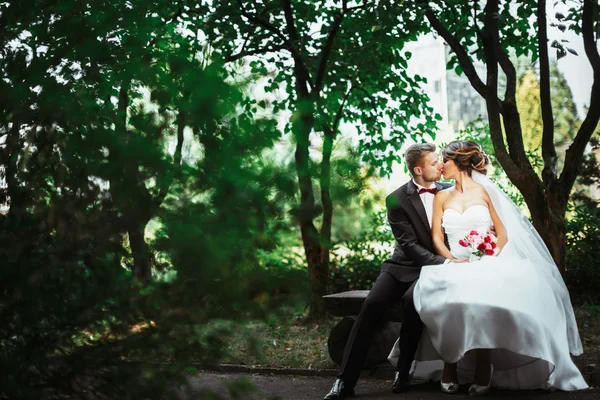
[[427, 199]]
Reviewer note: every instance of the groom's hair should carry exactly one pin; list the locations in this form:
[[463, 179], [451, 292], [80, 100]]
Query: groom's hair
[[414, 155]]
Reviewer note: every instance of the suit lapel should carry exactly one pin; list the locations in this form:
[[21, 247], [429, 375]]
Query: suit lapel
[[415, 200]]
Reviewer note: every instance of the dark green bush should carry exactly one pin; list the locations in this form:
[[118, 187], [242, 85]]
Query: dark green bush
[[355, 264], [583, 246]]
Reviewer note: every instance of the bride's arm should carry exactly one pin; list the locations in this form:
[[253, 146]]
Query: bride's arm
[[437, 232], [498, 225]]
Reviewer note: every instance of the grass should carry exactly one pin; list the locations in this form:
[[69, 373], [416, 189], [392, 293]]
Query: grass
[[283, 341]]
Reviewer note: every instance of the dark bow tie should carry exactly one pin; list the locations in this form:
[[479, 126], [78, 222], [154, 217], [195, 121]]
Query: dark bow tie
[[432, 190]]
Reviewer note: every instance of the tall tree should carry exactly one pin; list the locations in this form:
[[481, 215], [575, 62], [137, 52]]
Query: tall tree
[[337, 62], [107, 58], [487, 33], [94, 97]]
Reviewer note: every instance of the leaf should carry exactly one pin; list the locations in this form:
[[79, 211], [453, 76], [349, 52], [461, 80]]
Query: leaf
[[572, 51]]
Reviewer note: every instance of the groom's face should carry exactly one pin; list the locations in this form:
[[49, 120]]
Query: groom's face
[[430, 168]]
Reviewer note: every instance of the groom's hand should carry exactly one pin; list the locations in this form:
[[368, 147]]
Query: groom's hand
[[458, 260]]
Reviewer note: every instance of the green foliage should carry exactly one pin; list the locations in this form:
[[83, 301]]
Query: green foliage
[[329, 65], [479, 132], [364, 79], [583, 246], [353, 191], [464, 19], [94, 106], [356, 262], [564, 111]]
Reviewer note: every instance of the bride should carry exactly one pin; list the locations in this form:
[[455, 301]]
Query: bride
[[505, 320]]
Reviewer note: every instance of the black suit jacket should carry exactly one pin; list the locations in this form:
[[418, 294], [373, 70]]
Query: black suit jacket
[[414, 246]]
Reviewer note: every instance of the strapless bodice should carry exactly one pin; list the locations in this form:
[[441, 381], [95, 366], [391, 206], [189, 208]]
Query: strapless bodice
[[457, 225]]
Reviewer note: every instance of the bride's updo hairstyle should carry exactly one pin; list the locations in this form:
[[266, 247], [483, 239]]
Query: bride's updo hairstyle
[[467, 155]]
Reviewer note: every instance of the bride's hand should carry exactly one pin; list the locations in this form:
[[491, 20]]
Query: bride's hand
[[458, 260]]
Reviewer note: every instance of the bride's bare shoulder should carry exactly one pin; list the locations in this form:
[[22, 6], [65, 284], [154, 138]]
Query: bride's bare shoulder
[[443, 194], [484, 194]]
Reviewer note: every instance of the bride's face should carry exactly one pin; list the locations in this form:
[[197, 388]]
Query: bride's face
[[449, 168]]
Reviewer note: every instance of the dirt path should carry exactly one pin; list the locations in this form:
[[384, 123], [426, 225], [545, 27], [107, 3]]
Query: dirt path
[[314, 388]]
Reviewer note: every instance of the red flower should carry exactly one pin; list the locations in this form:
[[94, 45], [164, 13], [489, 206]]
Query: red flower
[[489, 252], [463, 243], [481, 247], [493, 245], [473, 232], [487, 239]]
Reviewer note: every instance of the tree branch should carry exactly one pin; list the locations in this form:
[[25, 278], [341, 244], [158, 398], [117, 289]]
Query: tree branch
[[511, 74], [574, 153], [340, 111], [181, 121], [287, 43], [490, 41], [254, 52], [326, 52], [589, 39], [512, 121], [461, 54], [174, 17], [369, 95], [302, 75], [265, 24], [548, 149]]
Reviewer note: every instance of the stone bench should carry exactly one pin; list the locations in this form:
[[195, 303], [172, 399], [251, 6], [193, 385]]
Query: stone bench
[[347, 305]]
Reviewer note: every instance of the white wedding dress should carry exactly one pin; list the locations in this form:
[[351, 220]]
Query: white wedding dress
[[505, 303]]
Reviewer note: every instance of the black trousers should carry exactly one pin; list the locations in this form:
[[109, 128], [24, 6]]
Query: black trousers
[[386, 291]]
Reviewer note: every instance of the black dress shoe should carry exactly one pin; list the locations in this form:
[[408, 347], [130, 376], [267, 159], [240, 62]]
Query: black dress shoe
[[339, 391], [401, 382]]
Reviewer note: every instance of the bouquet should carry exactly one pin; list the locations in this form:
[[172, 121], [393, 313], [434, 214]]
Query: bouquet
[[480, 243]]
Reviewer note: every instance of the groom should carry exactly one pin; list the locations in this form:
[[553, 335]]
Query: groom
[[409, 213]]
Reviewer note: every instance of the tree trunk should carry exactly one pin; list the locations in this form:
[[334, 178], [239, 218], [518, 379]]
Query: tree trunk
[[13, 149], [548, 217], [142, 266], [547, 205], [134, 223], [325, 183], [317, 270], [553, 234], [317, 273]]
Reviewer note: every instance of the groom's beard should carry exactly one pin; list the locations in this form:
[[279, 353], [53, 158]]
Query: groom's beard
[[432, 177]]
